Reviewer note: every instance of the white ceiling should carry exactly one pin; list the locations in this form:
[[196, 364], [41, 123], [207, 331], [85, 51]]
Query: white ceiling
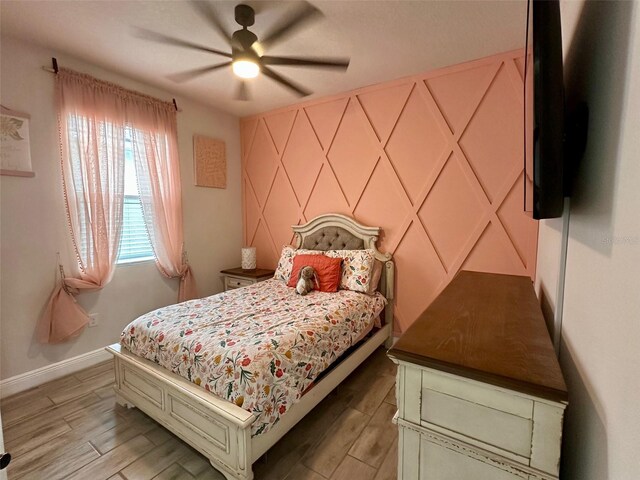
[[385, 40]]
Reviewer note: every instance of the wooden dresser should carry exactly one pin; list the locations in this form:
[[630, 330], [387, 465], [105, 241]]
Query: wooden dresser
[[479, 389]]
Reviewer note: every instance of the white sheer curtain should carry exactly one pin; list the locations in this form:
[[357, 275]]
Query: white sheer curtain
[[158, 169]]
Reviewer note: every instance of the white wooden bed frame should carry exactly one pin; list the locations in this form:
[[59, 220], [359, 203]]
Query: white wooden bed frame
[[217, 428]]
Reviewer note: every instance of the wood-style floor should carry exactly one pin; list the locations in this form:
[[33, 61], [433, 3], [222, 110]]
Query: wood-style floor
[[72, 428]]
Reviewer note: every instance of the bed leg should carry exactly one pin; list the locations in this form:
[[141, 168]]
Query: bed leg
[[388, 343], [230, 476], [124, 403]]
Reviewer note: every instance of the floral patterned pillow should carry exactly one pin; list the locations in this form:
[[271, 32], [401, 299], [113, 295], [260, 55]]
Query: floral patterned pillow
[[357, 268], [285, 264]]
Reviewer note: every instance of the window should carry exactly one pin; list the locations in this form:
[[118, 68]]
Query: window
[[134, 242], [94, 117], [135, 245]]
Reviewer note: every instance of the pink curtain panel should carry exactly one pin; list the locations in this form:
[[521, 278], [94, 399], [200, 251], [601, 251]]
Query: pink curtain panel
[[92, 118]]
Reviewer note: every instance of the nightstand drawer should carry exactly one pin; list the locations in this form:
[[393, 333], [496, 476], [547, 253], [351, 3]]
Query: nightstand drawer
[[234, 282], [237, 277]]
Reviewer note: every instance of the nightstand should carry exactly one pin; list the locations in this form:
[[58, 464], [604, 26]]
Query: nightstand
[[237, 277]]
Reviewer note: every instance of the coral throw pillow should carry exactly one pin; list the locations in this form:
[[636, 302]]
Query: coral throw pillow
[[328, 271], [283, 272]]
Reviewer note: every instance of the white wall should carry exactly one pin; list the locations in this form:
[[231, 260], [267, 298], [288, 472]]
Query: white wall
[[549, 263], [600, 350], [33, 226]]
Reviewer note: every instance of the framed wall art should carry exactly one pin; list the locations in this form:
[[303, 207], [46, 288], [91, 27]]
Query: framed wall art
[[15, 151]]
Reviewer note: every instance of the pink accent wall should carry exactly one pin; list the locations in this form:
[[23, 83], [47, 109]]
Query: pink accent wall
[[434, 159]]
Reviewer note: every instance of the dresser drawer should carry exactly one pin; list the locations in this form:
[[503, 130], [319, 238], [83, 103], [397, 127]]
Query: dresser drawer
[[235, 282], [507, 432], [439, 463], [470, 410]]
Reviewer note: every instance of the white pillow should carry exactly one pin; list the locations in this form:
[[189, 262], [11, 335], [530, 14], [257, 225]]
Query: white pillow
[[357, 269], [285, 264]]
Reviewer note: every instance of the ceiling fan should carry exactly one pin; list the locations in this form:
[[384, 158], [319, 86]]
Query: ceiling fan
[[247, 58]]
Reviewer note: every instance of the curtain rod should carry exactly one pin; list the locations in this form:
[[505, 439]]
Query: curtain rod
[[54, 69]]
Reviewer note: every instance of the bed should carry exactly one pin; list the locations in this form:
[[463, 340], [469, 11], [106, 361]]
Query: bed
[[224, 417]]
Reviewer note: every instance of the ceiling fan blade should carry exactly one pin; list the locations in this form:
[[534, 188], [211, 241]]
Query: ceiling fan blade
[[162, 38], [205, 9], [242, 93], [196, 72], [289, 24], [285, 82], [340, 63]]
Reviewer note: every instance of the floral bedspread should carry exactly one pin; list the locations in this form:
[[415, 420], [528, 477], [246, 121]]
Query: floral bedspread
[[260, 346]]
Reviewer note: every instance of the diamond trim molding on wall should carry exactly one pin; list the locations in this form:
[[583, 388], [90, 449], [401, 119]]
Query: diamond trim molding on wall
[[436, 160]]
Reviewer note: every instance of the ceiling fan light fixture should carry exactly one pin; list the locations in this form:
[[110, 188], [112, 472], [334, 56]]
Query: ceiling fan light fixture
[[245, 68], [247, 57]]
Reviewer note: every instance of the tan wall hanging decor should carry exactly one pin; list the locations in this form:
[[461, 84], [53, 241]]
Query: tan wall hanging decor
[[209, 162]]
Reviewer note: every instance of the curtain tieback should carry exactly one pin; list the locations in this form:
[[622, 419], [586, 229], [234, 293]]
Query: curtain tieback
[[62, 280], [62, 318], [188, 289]]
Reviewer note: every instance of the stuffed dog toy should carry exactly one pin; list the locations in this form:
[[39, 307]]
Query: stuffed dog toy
[[306, 279]]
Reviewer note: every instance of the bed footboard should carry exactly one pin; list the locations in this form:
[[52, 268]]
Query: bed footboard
[[216, 428]]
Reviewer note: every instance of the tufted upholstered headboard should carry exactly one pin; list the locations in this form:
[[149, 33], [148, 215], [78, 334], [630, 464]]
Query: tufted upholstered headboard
[[339, 232], [332, 238]]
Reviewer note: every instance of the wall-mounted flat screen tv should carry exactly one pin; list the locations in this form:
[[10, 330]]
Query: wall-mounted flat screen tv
[[544, 111]]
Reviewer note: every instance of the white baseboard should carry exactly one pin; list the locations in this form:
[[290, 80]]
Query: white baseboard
[[36, 377], [25, 381]]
